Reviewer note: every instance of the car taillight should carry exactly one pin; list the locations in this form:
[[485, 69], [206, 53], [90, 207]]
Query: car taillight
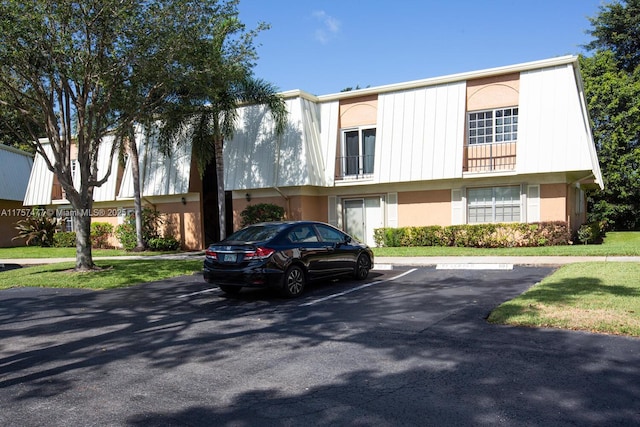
[[259, 253], [210, 254]]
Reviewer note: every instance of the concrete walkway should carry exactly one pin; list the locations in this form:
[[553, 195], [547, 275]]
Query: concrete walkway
[[379, 261]]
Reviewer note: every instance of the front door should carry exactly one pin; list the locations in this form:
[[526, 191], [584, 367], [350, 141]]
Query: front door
[[362, 217]]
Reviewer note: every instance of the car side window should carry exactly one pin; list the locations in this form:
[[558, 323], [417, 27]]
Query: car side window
[[329, 234], [302, 234]]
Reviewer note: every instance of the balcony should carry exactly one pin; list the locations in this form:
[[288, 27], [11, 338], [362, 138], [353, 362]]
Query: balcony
[[498, 156], [354, 167]]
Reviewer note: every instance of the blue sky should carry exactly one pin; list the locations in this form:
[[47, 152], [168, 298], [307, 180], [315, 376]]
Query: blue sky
[[324, 46]]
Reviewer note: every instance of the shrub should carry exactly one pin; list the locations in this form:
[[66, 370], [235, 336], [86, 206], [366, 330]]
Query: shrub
[[476, 235], [126, 232], [167, 243], [64, 239], [100, 232], [38, 230], [591, 233], [262, 212]]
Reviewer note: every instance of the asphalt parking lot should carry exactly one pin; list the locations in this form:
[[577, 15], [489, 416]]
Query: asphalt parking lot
[[409, 346]]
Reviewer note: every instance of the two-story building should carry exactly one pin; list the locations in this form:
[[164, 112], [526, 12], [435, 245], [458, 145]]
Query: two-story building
[[508, 144]]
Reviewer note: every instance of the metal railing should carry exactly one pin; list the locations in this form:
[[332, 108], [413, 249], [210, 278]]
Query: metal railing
[[490, 157], [354, 167]]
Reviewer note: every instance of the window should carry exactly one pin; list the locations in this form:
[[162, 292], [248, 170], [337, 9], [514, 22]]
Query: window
[[302, 234], [329, 234], [493, 204], [486, 127], [358, 148]]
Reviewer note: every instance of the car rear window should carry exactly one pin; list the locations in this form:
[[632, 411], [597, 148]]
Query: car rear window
[[255, 233]]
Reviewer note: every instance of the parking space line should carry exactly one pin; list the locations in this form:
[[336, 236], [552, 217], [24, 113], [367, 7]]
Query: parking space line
[[366, 285], [198, 293]]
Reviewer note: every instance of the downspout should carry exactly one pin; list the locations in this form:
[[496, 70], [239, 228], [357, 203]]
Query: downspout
[[276, 175]]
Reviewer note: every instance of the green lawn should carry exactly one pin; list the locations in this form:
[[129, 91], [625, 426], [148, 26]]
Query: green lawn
[[38, 252], [113, 274], [601, 297], [618, 243]]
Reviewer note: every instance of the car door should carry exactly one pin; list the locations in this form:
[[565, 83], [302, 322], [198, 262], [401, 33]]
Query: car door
[[306, 247], [341, 256]]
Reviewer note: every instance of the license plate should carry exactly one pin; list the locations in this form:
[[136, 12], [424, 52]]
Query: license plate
[[229, 257]]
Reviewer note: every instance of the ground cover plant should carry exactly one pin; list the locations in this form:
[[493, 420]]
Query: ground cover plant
[[601, 297]]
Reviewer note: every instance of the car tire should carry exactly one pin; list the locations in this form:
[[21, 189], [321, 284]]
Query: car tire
[[231, 290], [363, 265], [293, 282]]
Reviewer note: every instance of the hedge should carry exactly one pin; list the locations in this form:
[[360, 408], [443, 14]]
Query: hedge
[[509, 235]]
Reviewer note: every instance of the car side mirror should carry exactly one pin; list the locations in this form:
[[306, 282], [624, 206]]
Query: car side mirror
[[347, 240]]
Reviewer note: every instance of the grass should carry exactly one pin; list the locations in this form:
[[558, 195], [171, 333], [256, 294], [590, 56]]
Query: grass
[[38, 252], [617, 243], [602, 297], [114, 274]]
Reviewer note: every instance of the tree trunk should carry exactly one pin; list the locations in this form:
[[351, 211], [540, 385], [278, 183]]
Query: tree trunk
[[84, 258], [219, 159], [137, 194]]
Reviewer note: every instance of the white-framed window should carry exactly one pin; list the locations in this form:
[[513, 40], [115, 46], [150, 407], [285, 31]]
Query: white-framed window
[[358, 151], [493, 204], [489, 126]]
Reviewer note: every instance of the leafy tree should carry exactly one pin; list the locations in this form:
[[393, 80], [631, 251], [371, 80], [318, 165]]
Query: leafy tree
[[87, 68], [617, 28], [612, 89], [212, 120]]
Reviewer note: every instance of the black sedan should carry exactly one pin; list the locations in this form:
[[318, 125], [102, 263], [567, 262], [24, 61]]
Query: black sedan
[[285, 255]]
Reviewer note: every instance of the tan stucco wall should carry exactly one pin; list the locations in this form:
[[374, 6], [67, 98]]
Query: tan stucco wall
[[312, 208], [182, 221], [553, 202], [493, 92], [359, 111], [417, 208], [11, 211]]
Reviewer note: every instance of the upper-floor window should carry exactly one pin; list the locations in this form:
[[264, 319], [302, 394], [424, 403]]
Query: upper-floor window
[[358, 151], [499, 125]]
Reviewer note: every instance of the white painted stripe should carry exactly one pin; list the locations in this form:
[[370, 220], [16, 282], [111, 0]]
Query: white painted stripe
[[474, 266], [366, 285], [382, 267], [206, 291]]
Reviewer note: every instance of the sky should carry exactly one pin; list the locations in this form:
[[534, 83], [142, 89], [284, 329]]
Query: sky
[[325, 46]]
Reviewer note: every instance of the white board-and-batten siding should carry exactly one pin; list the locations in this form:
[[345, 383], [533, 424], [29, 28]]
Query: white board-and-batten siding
[[258, 158], [420, 134], [160, 174], [15, 168], [554, 131]]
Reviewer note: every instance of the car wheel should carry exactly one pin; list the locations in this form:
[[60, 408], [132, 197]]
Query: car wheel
[[363, 265], [231, 290], [293, 282]]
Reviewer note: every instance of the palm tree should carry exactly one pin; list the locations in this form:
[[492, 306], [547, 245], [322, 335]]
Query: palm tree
[[213, 119]]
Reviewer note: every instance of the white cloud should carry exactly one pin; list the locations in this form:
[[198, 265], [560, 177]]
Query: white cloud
[[330, 26]]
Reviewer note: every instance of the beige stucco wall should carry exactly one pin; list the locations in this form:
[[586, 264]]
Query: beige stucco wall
[[418, 208], [553, 202], [359, 111], [11, 211], [182, 221], [312, 208], [493, 92]]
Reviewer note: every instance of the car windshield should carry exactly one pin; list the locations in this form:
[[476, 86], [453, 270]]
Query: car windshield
[[255, 233]]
